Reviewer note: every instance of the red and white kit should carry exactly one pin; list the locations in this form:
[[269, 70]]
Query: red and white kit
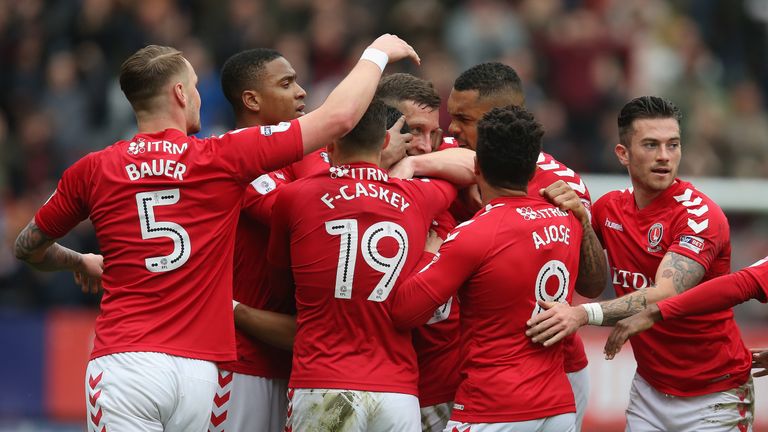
[[348, 236], [254, 396], [497, 358], [685, 357], [164, 206]]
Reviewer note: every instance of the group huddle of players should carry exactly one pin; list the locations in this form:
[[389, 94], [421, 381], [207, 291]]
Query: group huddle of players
[[386, 278]]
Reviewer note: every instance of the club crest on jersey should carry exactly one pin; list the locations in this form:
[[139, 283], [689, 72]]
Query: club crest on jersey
[[692, 243], [654, 237]]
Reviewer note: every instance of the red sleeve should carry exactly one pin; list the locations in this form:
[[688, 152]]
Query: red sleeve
[[68, 206], [251, 152], [279, 250], [703, 235], [447, 142], [714, 295], [260, 196], [418, 296]]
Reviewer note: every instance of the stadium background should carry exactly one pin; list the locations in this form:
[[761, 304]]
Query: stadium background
[[579, 61]]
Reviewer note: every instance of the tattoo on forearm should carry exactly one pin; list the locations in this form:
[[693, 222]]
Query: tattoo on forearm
[[623, 307], [684, 272], [37, 249], [592, 266]]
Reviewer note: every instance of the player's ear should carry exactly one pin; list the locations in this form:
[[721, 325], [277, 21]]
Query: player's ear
[[179, 95], [622, 153], [251, 100], [386, 140], [477, 167]]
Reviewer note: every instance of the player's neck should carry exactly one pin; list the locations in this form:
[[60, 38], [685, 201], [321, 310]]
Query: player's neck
[[490, 193], [338, 159], [156, 122], [644, 198]]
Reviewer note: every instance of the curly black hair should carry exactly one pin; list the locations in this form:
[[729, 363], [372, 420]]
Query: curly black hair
[[508, 145]]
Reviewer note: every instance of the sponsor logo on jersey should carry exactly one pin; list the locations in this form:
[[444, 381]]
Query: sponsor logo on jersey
[[264, 184], [692, 243], [142, 146], [459, 407], [530, 214], [613, 225], [654, 237], [628, 279]]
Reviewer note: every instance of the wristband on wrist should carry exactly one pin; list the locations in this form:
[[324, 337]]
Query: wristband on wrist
[[234, 304], [377, 56], [594, 313]]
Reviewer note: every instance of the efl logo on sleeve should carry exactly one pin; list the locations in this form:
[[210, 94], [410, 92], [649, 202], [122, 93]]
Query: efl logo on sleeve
[[264, 184], [692, 243]]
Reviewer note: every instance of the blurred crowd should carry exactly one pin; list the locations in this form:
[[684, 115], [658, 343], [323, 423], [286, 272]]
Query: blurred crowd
[[579, 62]]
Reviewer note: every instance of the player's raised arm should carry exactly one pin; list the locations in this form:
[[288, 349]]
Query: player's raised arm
[[456, 165], [348, 101]]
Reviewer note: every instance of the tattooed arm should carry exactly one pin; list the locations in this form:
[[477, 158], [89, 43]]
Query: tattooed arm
[[43, 253], [675, 274]]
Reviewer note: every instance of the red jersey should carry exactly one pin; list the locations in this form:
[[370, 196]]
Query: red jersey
[[505, 376], [548, 171], [251, 275], [164, 207], [348, 238], [686, 357], [437, 342]]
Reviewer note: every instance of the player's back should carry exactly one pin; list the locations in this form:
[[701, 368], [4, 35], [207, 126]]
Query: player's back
[[528, 250], [353, 235], [164, 207]]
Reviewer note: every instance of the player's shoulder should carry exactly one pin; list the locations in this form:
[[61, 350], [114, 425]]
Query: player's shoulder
[[691, 208], [612, 198], [551, 170]]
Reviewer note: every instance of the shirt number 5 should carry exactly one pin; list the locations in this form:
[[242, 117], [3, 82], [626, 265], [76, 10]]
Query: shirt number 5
[[150, 228]]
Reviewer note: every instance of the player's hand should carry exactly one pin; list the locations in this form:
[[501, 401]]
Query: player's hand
[[566, 199], [88, 276], [436, 139], [627, 328], [556, 322], [760, 360], [403, 169], [433, 242], [398, 143], [395, 48]]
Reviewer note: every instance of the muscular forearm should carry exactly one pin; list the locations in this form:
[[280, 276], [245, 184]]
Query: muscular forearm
[[42, 253], [456, 165], [712, 296], [593, 271], [274, 328]]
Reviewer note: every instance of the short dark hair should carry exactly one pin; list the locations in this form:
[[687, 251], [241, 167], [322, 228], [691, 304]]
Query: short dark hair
[[508, 146], [244, 71], [399, 87], [645, 107], [145, 72], [492, 79], [368, 135]]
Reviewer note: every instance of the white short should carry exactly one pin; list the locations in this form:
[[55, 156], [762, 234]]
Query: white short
[[558, 423], [148, 391], [435, 417], [248, 403], [326, 410], [580, 386], [650, 410]]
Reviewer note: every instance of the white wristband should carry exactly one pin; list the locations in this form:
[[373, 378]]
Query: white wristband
[[594, 313], [234, 304], [377, 56]]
